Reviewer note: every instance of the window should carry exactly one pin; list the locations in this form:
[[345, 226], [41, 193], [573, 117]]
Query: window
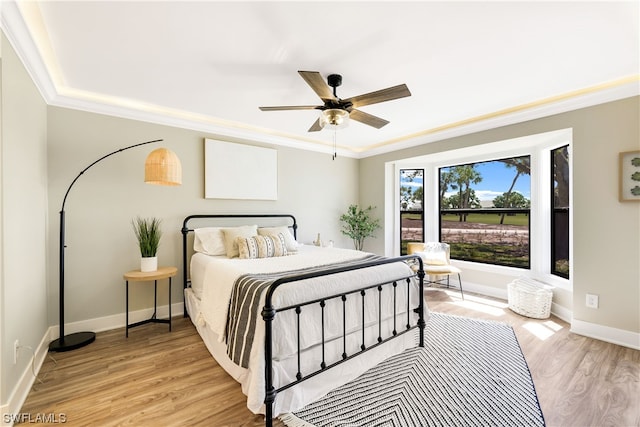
[[411, 207], [560, 212], [484, 211], [454, 212]]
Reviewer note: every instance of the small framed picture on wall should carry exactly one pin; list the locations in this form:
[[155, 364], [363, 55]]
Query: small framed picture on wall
[[630, 176]]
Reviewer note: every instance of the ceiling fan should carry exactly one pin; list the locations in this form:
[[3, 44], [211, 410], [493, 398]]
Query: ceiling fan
[[336, 111]]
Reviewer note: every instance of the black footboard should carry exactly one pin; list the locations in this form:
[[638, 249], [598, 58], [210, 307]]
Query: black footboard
[[269, 313]]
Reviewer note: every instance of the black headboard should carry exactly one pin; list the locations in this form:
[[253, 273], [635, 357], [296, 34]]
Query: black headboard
[[217, 220]]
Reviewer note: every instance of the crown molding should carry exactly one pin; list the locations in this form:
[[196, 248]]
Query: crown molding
[[587, 97], [625, 87], [216, 128], [17, 32]]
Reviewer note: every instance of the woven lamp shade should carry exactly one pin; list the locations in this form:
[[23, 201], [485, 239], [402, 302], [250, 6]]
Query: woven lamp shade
[[163, 167]]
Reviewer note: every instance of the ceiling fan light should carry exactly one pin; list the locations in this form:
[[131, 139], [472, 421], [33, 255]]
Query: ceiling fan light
[[334, 118]]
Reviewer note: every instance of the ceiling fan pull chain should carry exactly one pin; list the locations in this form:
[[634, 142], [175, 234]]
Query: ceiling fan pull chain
[[335, 154]]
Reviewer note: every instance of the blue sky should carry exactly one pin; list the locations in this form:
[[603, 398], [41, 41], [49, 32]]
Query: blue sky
[[496, 179]]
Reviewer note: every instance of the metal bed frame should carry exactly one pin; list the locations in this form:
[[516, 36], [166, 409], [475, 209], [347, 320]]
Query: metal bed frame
[[269, 312]]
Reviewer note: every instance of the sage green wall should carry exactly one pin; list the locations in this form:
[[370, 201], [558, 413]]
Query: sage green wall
[[606, 233], [101, 205], [24, 217]]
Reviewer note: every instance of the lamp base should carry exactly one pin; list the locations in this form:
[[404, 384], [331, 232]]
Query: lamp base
[[72, 341]]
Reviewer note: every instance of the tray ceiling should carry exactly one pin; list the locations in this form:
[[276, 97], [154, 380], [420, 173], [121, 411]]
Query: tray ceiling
[[210, 65]]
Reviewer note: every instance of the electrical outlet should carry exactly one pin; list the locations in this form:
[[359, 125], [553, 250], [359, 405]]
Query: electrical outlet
[[592, 301], [16, 346]]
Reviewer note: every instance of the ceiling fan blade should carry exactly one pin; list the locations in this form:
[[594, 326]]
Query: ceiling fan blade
[[292, 107], [382, 95], [317, 83], [367, 119], [315, 127]]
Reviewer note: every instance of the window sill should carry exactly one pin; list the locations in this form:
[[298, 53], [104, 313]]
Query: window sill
[[550, 279], [491, 268]]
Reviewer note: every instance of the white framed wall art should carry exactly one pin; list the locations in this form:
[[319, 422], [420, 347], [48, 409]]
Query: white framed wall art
[[240, 171]]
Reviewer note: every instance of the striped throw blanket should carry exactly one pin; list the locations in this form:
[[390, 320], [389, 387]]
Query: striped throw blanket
[[245, 309]]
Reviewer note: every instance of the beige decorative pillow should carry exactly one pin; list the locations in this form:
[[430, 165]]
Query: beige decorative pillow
[[262, 246], [435, 253], [290, 241], [231, 234]]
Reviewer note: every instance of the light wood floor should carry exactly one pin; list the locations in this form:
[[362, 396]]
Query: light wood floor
[[157, 378]]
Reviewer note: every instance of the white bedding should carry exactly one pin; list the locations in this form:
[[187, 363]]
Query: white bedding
[[222, 273], [212, 281]]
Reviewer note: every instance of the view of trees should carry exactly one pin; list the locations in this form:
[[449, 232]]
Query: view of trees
[[484, 210], [411, 211], [461, 178], [411, 196], [453, 202], [480, 235], [560, 261], [515, 200], [561, 177]]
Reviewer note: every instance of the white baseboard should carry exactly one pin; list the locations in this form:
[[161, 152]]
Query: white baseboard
[[606, 333], [562, 312], [116, 320], [591, 330], [489, 291], [11, 410]]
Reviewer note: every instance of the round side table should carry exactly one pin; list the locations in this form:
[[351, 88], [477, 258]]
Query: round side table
[[139, 276]]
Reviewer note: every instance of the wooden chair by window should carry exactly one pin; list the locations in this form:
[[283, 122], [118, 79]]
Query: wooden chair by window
[[437, 264]]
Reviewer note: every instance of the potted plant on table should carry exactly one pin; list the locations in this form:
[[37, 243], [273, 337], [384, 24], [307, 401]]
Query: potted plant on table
[[147, 231], [358, 224]]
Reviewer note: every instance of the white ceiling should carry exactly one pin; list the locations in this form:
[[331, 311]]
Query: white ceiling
[[210, 65]]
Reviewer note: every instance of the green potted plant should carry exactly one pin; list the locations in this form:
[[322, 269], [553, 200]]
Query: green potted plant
[[358, 224], [147, 231]]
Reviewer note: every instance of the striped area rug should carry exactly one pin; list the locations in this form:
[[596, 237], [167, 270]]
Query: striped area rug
[[470, 373]]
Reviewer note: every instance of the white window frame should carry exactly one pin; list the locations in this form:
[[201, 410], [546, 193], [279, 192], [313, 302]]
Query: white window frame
[[537, 146]]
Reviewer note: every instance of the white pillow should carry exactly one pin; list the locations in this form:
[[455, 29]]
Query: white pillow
[[289, 240], [209, 241], [231, 234]]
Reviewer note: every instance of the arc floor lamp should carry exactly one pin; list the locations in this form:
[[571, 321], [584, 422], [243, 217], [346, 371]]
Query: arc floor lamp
[[162, 167]]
